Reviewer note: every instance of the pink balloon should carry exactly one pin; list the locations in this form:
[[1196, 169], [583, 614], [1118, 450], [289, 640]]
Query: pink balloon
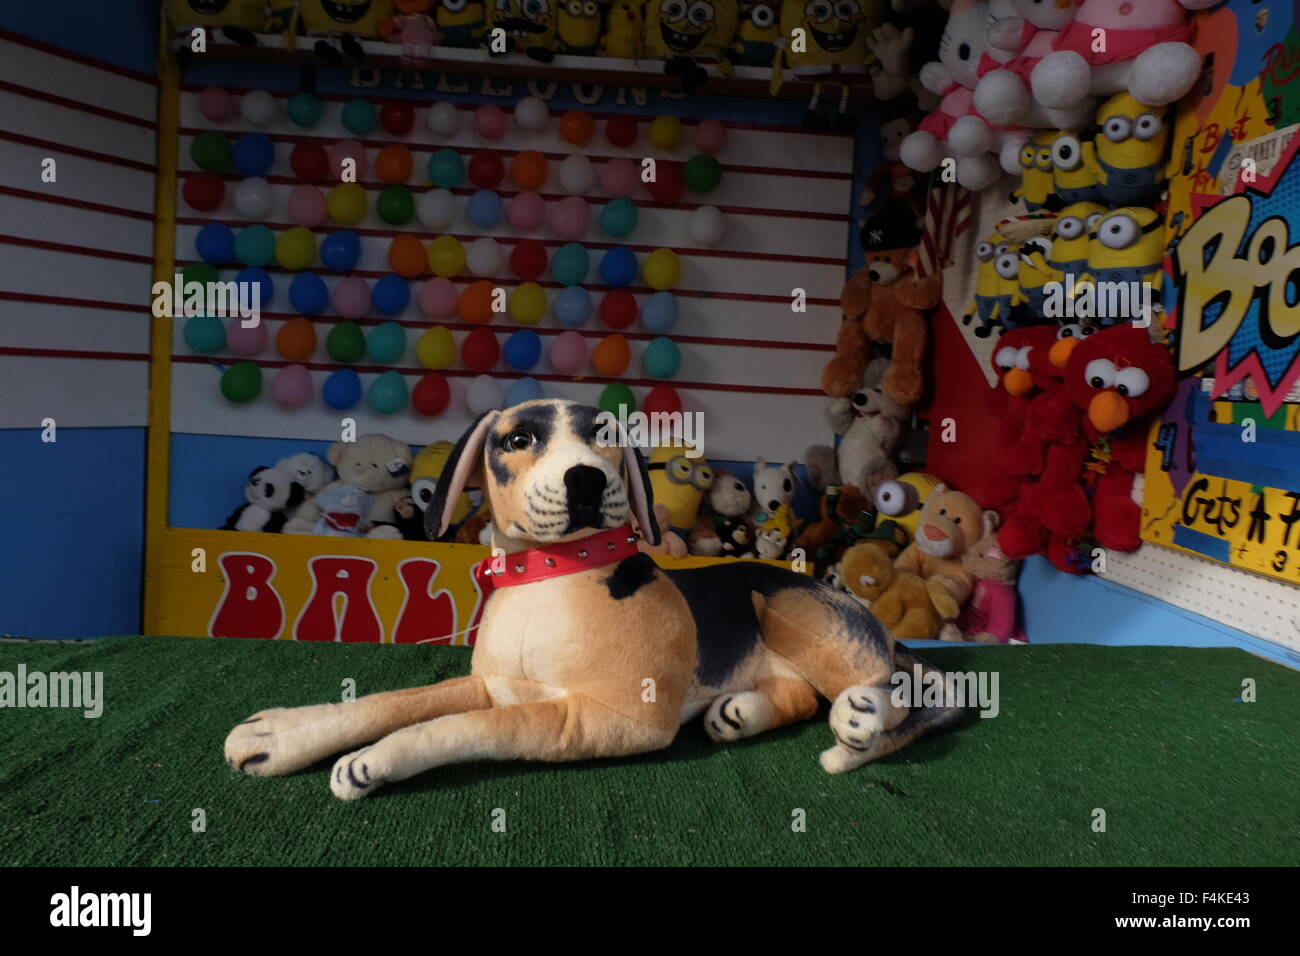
[[307, 206], [570, 217], [526, 211], [710, 136], [352, 298], [568, 352], [619, 176], [291, 386], [244, 341], [216, 104], [346, 149], [438, 298], [490, 121]]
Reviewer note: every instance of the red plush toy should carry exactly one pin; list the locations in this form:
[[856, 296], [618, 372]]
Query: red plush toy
[[1118, 377]]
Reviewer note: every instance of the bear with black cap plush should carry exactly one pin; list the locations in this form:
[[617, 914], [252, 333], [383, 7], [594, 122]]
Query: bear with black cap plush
[[272, 495]]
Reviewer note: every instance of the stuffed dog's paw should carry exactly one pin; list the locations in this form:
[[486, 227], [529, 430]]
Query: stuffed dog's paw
[[857, 718], [355, 776], [280, 741], [733, 716]]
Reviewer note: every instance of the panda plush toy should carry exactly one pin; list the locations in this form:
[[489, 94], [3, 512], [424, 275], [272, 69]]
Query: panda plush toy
[[272, 495]]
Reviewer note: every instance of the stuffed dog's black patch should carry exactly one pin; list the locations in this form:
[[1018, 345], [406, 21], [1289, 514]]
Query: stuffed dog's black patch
[[726, 627], [540, 421], [630, 576], [585, 421]]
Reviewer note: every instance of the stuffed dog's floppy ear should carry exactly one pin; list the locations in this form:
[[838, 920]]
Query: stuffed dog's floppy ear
[[639, 495], [463, 468]]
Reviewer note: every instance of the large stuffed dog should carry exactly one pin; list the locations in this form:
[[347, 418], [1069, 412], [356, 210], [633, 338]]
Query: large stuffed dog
[[587, 648]]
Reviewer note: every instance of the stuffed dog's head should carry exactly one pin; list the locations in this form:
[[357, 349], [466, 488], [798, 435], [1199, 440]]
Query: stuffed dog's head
[[552, 471]]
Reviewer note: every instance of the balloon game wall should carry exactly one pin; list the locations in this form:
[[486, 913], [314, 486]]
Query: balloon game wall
[[421, 260]]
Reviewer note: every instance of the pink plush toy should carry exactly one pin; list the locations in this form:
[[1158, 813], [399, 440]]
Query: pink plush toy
[[1020, 33], [956, 130], [1139, 46]]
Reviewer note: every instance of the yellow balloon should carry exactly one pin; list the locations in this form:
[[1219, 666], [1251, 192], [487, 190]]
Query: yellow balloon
[[436, 349], [346, 203], [446, 256], [662, 269], [666, 131], [295, 249], [528, 303]]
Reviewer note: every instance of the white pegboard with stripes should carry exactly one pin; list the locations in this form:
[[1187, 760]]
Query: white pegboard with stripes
[[749, 362]]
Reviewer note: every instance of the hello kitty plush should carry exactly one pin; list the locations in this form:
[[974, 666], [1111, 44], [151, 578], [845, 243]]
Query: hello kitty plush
[[1026, 30], [956, 130], [1113, 46]]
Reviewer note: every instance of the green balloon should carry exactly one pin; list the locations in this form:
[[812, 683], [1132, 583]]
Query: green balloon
[[618, 218], [255, 245], [395, 205], [205, 334], [388, 393], [211, 151], [616, 394], [661, 358], [203, 272], [304, 109], [345, 343], [242, 382], [703, 173], [386, 343], [446, 168], [359, 117]]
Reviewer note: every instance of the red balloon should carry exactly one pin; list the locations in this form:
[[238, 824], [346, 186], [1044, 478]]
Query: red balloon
[[618, 309], [310, 162], [431, 395], [486, 169], [397, 117], [528, 259], [203, 191], [662, 398], [621, 131], [480, 350], [669, 183]]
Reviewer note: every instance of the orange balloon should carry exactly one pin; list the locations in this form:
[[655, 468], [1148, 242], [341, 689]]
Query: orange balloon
[[393, 164], [611, 356], [296, 339], [528, 169], [575, 126], [407, 256], [475, 303]]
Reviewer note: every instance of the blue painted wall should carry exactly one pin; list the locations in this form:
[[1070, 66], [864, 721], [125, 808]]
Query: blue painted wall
[[72, 517], [121, 32]]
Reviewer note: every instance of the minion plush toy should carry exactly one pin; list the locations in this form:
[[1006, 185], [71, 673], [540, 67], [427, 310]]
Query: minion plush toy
[[679, 484], [987, 285], [345, 19], [759, 29], [1032, 279], [1128, 156], [577, 27], [1073, 178], [901, 499], [1071, 238], [681, 32], [1036, 185], [623, 30], [831, 44], [529, 26], [461, 22], [1127, 248]]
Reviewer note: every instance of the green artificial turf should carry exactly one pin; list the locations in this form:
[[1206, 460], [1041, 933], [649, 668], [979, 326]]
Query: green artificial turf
[[1151, 735]]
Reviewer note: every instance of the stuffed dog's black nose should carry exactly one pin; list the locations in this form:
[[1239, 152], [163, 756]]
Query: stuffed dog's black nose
[[585, 485]]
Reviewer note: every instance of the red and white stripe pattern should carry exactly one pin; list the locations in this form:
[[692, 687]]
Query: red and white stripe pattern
[[947, 216]]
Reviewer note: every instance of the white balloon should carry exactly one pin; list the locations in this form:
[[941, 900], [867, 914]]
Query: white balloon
[[577, 175], [257, 107], [484, 394], [706, 226], [253, 198], [483, 257], [532, 114], [436, 209], [443, 119]]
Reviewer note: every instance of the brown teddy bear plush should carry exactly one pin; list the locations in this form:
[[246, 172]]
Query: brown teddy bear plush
[[898, 599], [883, 302], [951, 524], [670, 542]]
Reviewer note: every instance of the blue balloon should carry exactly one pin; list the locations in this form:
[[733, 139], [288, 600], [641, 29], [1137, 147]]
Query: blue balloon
[[485, 209], [659, 313], [391, 295], [522, 350], [524, 390], [262, 278], [308, 294], [341, 250], [618, 268], [342, 389], [215, 243], [572, 306], [254, 154]]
